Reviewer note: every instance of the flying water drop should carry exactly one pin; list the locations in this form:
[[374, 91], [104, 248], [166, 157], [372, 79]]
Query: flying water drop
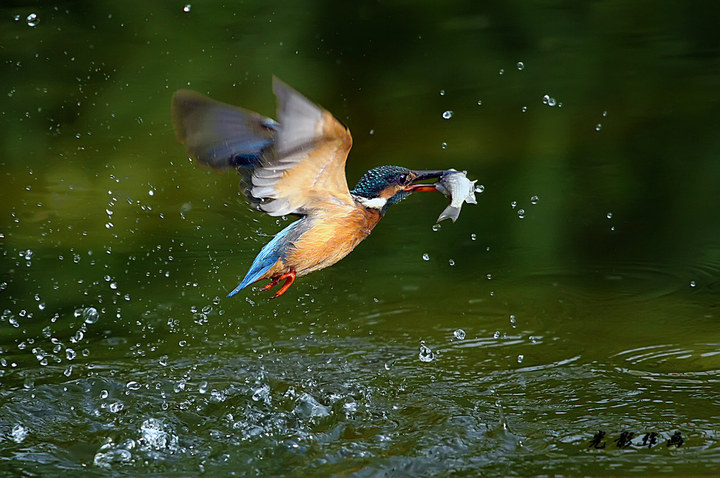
[[426, 354], [32, 19]]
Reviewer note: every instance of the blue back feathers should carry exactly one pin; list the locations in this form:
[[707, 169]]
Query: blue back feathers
[[221, 135]]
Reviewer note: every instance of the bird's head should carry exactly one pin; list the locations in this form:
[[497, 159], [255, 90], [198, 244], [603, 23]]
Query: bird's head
[[382, 187]]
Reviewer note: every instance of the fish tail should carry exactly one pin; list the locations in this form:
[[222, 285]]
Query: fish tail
[[450, 212]]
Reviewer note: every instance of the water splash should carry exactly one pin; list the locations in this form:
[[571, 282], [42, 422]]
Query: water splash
[[426, 354]]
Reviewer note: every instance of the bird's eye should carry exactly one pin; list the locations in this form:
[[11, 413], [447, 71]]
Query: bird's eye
[[402, 178]]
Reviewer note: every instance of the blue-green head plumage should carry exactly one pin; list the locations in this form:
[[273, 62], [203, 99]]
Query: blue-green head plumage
[[374, 182]]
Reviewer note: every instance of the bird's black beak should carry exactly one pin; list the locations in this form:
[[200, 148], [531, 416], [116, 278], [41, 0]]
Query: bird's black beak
[[421, 176]]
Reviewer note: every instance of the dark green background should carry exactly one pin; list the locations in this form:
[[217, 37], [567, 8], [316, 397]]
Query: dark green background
[[595, 311]]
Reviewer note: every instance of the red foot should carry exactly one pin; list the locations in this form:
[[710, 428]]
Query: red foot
[[289, 278], [273, 283]]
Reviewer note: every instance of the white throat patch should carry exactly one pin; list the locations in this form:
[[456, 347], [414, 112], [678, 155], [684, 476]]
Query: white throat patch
[[374, 203]]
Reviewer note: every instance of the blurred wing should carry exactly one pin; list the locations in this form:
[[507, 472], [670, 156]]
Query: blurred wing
[[218, 134], [308, 165]]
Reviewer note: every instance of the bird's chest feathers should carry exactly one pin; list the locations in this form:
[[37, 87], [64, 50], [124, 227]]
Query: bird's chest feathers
[[331, 237]]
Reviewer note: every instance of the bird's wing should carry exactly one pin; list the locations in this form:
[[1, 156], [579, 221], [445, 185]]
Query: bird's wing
[[218, 134], [307, 165]]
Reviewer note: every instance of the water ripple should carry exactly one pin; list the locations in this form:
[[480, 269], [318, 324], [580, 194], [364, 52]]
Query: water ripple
[[699, 364]]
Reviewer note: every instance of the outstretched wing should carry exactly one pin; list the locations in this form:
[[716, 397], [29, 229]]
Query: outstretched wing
[[290, 167], [218, 134], [307, 164]]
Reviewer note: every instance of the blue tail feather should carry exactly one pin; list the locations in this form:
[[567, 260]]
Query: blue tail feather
[[269, 255]]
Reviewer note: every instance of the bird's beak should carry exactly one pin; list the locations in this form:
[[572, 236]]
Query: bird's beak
[[420, 176]]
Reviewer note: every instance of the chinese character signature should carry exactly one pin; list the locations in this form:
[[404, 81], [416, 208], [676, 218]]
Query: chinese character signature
[[625, 440]]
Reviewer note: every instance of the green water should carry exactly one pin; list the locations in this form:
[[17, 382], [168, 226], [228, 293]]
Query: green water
[[579, 296]]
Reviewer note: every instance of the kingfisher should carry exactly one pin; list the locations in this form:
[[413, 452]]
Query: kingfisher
[[293, 166]]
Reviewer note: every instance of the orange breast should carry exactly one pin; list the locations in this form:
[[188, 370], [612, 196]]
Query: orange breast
[[332, 235]]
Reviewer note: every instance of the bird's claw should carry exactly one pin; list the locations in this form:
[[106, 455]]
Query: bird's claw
[[288, 277]]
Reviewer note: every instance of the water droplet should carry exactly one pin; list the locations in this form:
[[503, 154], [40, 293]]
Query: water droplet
[[70, 354], [151, 192], [133, 385], [513, 204], [513, 321], [262, 392], [521, 213], [598, 127], [524, 109], [488, 276], [548, 100], [609, 215], [187, 8], [442, 92], [479, 189], [496, 334], [473, 237], [448, 114], [520, 66], [534, 200], [426, 256], [520, 358], [443, 145], [604, 113], [459, 334], [372, 132], [451, 262], [426, 354], [436, 227], [692, 283], [501, 72], [18, 433], [32, 20], [479, 102], [90, 315], [104, 394]]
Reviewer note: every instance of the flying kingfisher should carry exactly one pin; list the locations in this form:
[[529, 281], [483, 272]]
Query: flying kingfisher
[[293, 166]]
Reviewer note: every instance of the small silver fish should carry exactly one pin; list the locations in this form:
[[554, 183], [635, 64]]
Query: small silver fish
[[456, 186]]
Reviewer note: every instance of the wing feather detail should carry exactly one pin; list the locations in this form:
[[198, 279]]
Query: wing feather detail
[[308, 164], [293, 166], [218, 134]]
